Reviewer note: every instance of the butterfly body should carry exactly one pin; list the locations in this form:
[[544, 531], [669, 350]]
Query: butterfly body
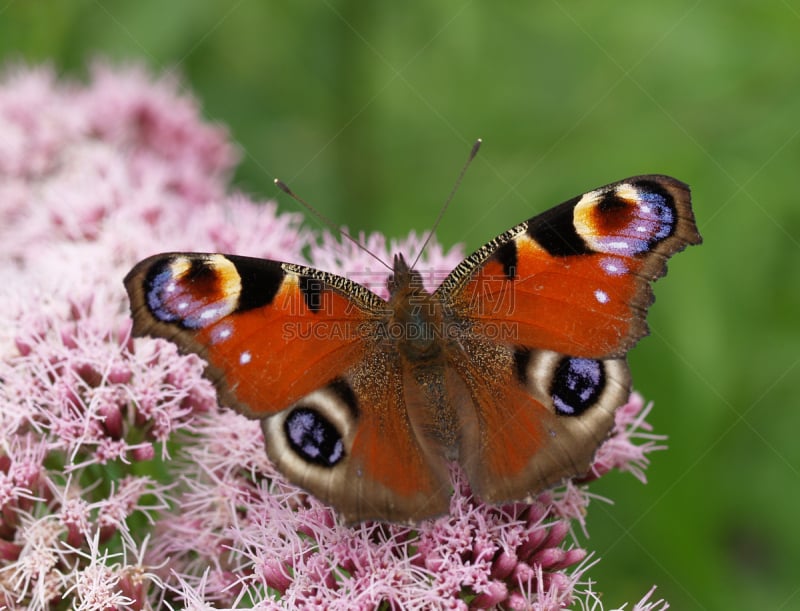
[[512, 367]]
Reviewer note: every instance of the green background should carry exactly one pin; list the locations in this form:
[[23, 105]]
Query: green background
[[369, 109]]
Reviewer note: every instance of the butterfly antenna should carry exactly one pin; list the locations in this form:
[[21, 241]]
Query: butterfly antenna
[[472, 154], [326, 221]]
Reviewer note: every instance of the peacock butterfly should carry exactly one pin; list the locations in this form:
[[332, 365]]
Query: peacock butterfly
[[513, 366]]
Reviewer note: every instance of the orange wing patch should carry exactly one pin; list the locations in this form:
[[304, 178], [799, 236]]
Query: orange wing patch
[[568, 304], [271, 357], [269, 333], [576, 279]]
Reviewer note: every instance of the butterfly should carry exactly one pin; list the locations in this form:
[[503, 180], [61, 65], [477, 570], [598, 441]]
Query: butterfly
[[513, 367]]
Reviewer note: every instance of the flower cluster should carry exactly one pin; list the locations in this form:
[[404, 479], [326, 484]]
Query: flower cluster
[[122, 483]]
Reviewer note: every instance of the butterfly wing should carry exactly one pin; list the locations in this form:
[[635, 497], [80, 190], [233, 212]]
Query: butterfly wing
[[552, 306], [296, 347], [576, 279], [271, 332], [541, 416]]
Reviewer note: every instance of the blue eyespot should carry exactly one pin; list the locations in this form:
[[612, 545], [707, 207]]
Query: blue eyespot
[[576, 385], [313, 437]]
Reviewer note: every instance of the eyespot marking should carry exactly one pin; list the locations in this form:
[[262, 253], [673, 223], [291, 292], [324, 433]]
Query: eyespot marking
[[192, 292], [576, 385], [629, 219], [313, 438]]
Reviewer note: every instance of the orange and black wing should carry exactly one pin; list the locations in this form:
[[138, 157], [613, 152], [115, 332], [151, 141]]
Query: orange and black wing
[[576, 279], [297, 348], [550, 309]]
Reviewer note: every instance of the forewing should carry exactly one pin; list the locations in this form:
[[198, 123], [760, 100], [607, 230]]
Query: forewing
[[576, 279], [271, 332]]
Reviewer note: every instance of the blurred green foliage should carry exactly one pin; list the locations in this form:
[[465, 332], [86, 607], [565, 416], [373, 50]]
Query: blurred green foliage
[[369, 109]]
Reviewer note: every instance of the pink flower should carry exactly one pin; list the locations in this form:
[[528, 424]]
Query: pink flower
[[122, 483]]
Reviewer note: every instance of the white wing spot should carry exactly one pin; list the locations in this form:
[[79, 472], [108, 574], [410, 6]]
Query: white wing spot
[[613, 266], [221, 333], [601, 296], [245, 357]]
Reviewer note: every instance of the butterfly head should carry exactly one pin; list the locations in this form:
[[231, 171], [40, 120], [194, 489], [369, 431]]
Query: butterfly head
[[404, 278]]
